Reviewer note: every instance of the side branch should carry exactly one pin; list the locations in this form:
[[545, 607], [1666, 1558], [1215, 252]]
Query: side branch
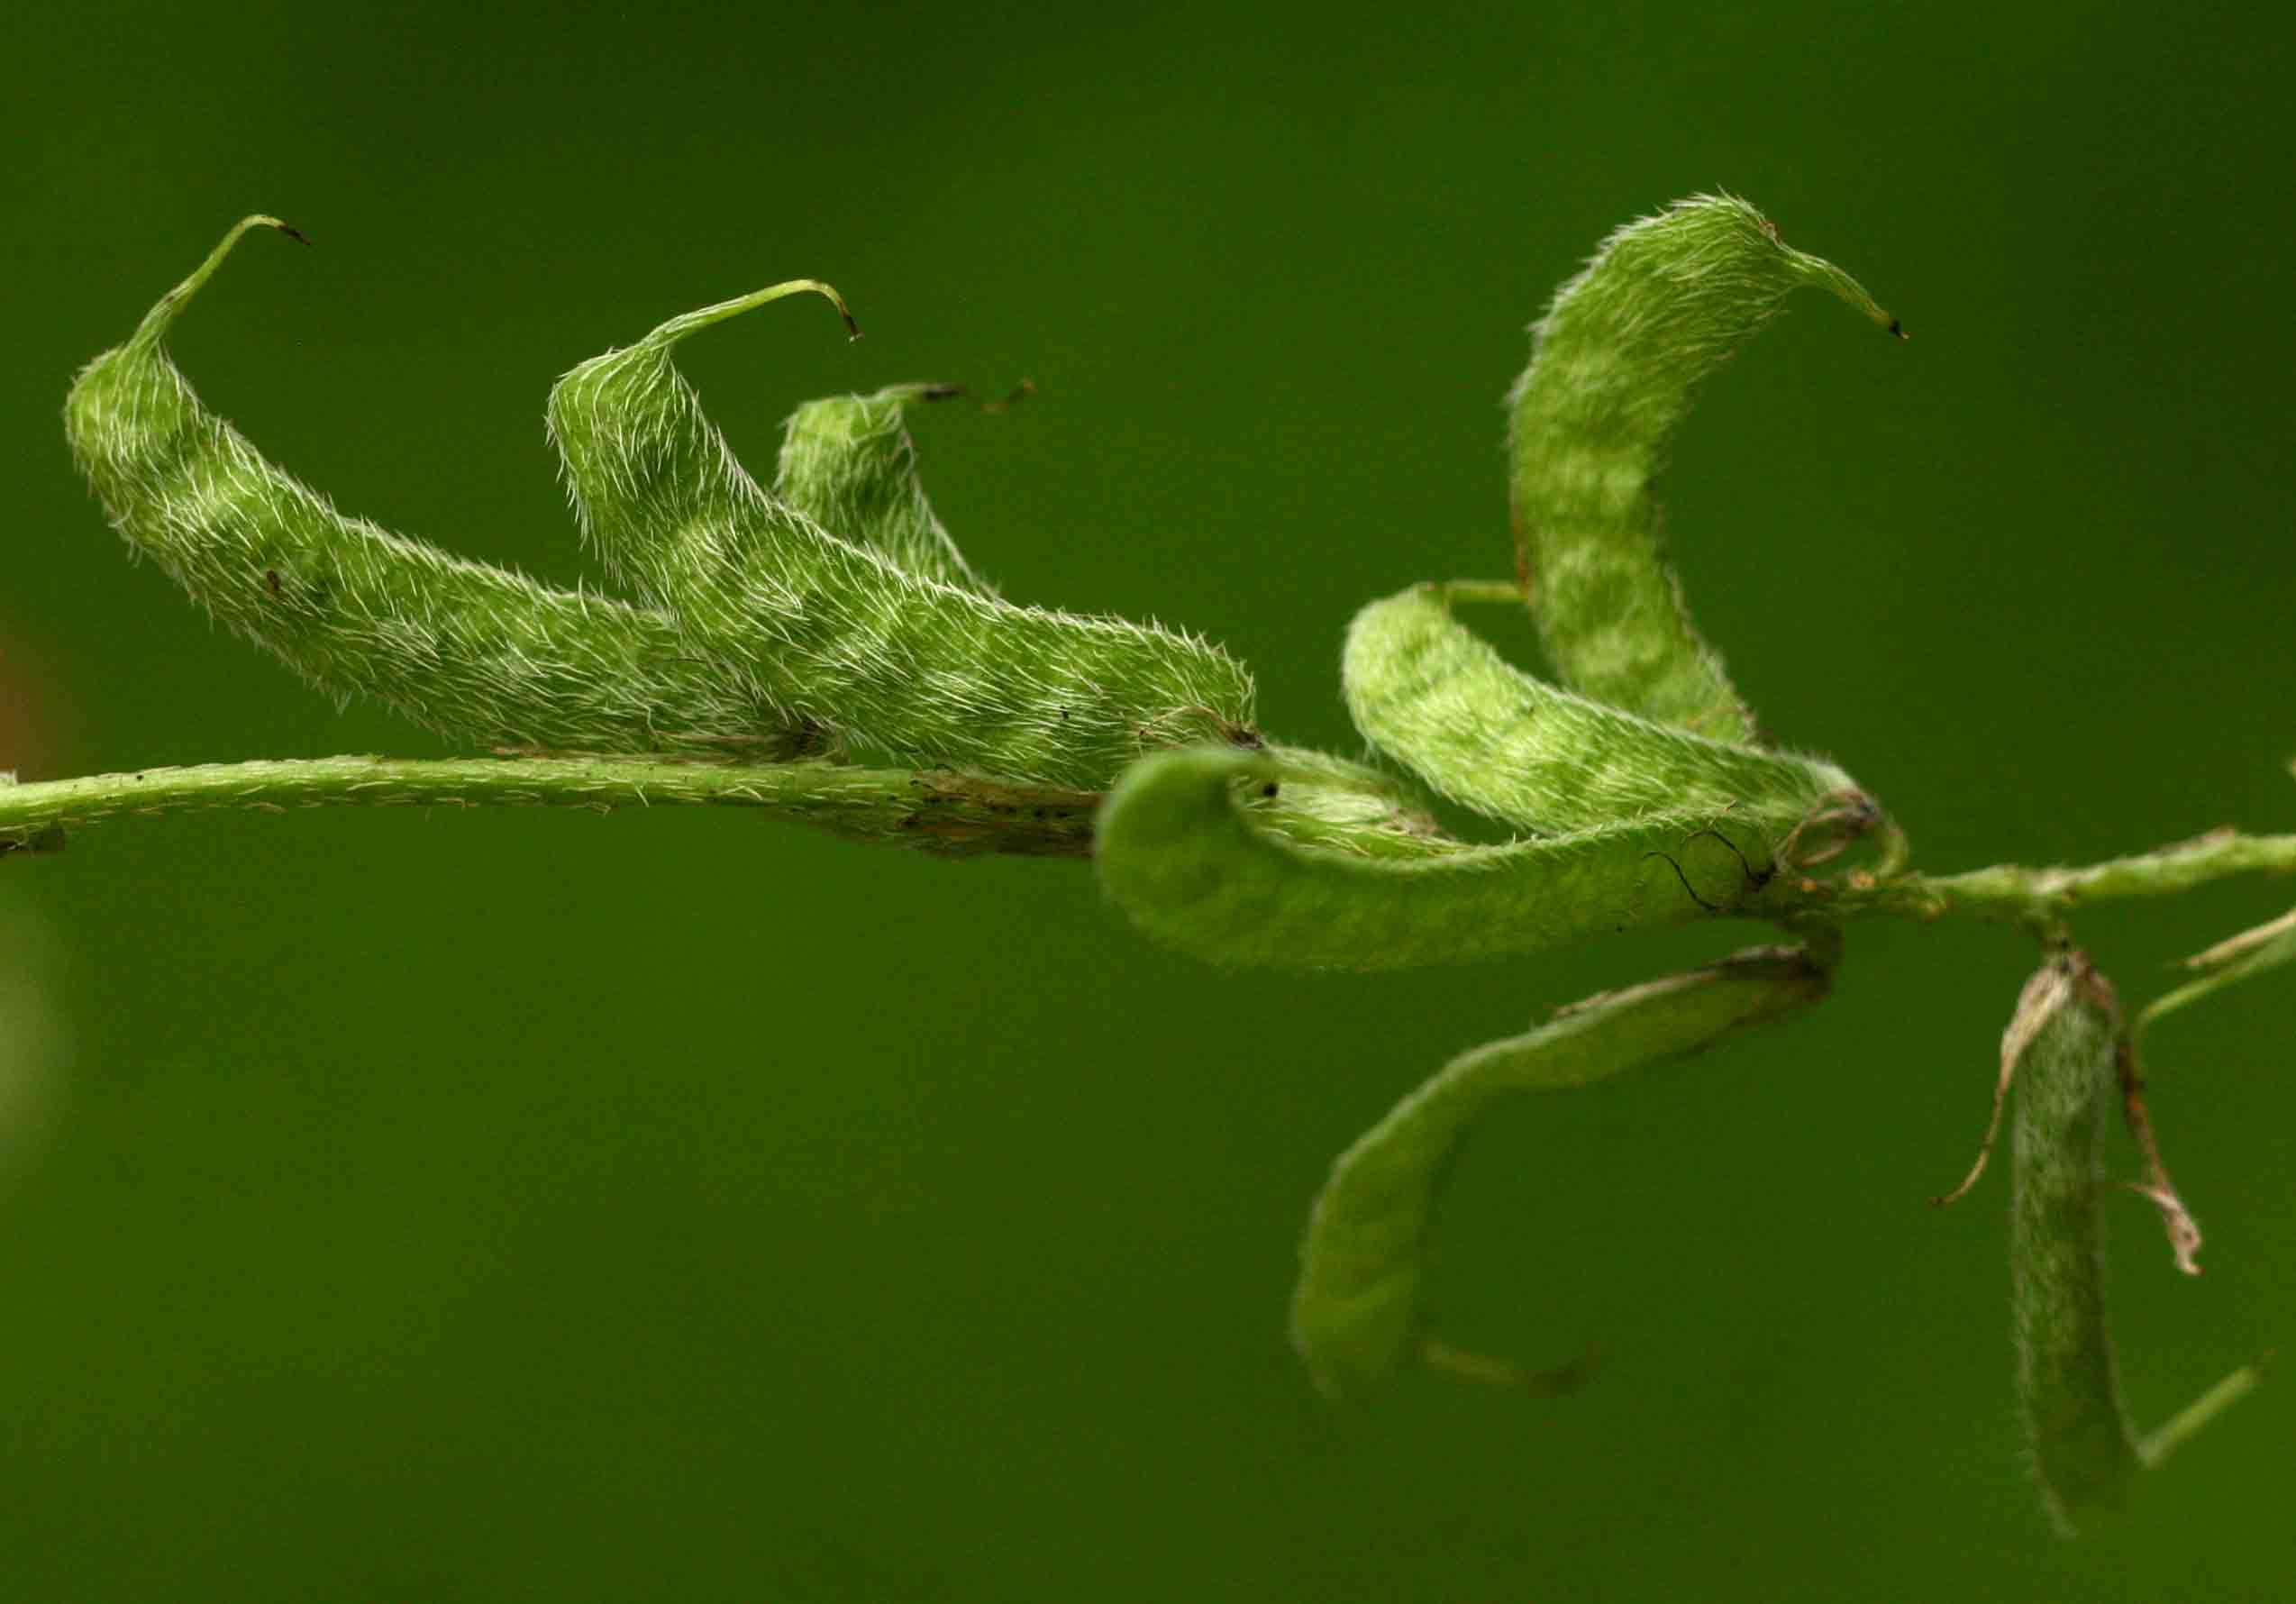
[[938, 812], [2045, 897], [1325, 802]]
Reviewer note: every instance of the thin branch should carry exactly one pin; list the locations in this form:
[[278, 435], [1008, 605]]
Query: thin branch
[[938, 812], [954, 814], [2045, 897], [1323, 802]]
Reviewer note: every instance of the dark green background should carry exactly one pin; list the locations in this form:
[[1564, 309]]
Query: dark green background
[[495, 1206]]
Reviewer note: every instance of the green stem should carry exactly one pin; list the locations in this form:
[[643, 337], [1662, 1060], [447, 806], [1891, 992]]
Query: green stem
[[2186, 1423], [937, 811], [945, 811], [1326, 802], [2045, 898]]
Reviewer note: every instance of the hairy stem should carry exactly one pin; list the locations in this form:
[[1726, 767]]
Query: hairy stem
[[1326, 802], [940, 812], [2045, 898], [1323, 801]]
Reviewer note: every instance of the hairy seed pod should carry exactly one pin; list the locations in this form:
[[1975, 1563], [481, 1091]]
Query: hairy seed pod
[[2071, 1059], [1427, 691], [1331, 802], [848, 463], [471, 651], [2068, 1384], [766, 637], [1356, 1312], [1188, 864], [1614, 362], [833, 632]]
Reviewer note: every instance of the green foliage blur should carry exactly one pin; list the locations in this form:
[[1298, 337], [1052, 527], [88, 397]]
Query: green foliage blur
[[492, 1206]]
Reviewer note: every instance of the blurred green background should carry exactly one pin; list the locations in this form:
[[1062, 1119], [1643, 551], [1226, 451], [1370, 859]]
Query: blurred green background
[[678, 1205]]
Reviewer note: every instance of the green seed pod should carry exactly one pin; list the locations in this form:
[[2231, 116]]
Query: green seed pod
[[664, 511], [848, 463], [835, 633], [767, 637], [471, 651], [1427, 691], [1614, 364], [2063, 1047], [1179, 855], [1354, 1314], [2072, 1059], [1325, 801]]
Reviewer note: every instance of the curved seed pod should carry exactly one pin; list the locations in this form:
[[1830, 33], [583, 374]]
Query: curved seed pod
[[1189, 867], [1614, 362], [1426, 690], [1327, 801], [840, 638], [663, 512], [471, 651], [2070, 1055], [1354, 1314], [848, 463]]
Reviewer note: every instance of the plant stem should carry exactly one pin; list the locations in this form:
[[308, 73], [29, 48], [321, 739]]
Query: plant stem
[[960, 814], [1325, 802], [938, 811], [2045, 897]]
